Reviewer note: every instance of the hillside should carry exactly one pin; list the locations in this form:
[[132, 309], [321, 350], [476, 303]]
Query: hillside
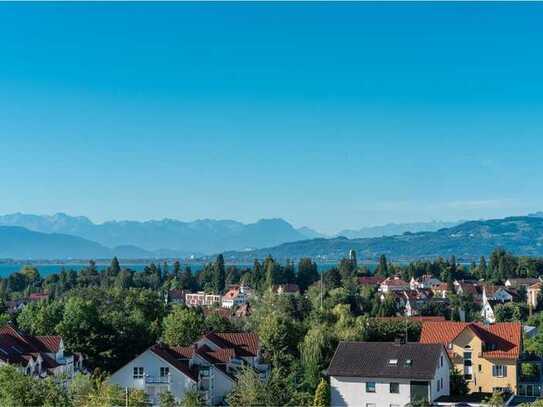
[[201, 236], [468, 241]]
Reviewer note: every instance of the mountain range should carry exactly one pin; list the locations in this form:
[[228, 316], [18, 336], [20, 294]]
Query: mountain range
[[522, 235], [62, 236], [166, 237], [392, 229]]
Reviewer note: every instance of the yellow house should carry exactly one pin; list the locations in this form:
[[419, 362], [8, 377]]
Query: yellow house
[[487, 355]]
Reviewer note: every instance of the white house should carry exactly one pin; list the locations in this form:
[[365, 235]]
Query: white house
[[209, 366], [235, 296], [39, 356], [201, 299], [393, 284], [388, 374]]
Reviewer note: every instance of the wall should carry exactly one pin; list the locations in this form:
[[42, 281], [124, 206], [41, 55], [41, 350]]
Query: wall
[[151, 364], [483, 379], [442, 372], [351, 391]]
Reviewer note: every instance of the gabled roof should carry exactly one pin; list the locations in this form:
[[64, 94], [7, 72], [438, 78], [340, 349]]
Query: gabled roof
[[502, 340], [395, 282], [49, 344], [370, 280], [374, 359], [166, 353], [16, 347], [245, 343]]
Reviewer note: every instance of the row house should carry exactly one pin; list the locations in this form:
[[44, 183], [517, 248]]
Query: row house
[[39, 356], [202, 299], [487, 355], [388, 374], [209, 366]]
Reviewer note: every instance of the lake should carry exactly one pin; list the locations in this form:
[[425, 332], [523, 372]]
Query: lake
[[45, 269]]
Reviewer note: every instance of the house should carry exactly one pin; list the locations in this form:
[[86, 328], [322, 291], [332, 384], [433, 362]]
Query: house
[[521, 282], [286, 289], [209, 365], [425, 281], [487, 355], [533, 294], [387, 374], [441, 290], [468, 287], [201, 299], [370, 281], [493, 295], [39, 356], [176, 296], [236, 295], [391, 284]]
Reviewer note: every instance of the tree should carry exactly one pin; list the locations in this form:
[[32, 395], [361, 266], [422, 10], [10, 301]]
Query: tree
[[322, 394], [166, 399], [307, 273], [115, 268], [382, 269], [182, 326], [248, 390], [316, 352], [41, 317], [496, 400], [459, 386], [219, 275], [192, 398]]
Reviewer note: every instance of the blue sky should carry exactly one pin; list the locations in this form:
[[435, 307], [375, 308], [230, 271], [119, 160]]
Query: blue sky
[[328, 115]]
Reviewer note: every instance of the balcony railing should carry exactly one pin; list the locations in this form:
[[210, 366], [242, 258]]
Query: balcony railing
[[157, 380]]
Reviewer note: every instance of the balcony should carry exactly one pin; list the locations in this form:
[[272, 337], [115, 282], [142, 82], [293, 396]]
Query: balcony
[[157, 379]]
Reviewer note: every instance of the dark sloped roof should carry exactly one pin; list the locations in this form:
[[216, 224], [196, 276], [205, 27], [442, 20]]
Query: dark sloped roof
[[371, 359]]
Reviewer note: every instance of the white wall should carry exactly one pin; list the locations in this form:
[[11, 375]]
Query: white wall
[[351, 391], [442, 372], [151, 364]]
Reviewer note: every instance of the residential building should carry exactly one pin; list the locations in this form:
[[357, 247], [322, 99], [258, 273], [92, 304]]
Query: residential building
[[392, 284], [286, 289], [209, 366], [425, 281], [236, 295], [39, 356], [176, 296], [521, 282], [493, 295], [487, 355], [201, 299], [370, 281], [387, 374], [533, 294]]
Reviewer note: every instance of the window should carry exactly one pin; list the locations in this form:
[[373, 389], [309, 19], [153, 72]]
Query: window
[[438, 385], [441, 361], [370, 387], [499, 371], [480, 368], [138, 373], [164, 371], [449, 346], [395, 387], [393, 362], [408, 363]]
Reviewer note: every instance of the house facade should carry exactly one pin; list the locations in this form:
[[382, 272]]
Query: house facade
[[388, 374], [38, 356], [236, 296], [533, 294], [208, 366], [201, 299], [487, 355], [392, 284]]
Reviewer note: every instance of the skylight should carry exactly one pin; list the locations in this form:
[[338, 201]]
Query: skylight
[[393, 362], [408, 362]]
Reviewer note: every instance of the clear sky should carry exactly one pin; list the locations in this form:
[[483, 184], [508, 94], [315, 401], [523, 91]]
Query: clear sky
[[327, 115]]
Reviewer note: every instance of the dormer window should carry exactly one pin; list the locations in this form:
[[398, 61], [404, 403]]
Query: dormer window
[[393, 362], [450, 346]]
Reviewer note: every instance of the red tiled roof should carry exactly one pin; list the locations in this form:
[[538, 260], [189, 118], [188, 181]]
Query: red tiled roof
[[506, 337], [170, 356], [38, 296], [50, 344], [232, 292], [417, 318], [245, 343], [370, 280], [395, 282]]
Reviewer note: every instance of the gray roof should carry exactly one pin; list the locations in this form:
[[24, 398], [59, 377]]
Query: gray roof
[[372, 359]]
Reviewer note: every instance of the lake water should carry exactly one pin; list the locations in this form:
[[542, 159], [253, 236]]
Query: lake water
[[45, 269]]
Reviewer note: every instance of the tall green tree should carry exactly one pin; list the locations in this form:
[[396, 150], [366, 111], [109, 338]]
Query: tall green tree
[[182, 326]]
